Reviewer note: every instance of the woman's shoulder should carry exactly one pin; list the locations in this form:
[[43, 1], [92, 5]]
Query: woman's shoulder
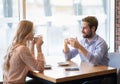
[[22, 47]]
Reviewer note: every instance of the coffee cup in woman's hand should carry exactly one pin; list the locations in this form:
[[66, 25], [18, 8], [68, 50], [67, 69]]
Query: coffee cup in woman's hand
[[38, 40], [38, 37]]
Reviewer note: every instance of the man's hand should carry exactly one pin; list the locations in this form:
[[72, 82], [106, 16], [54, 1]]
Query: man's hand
[[74, 43]]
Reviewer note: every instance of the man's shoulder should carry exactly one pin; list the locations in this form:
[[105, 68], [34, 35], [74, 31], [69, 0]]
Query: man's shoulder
[[99, 38], [101, 41]]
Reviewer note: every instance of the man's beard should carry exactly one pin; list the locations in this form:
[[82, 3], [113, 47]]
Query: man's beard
[[89, 35]]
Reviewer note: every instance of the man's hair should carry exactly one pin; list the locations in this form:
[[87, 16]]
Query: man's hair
[[92, 21]]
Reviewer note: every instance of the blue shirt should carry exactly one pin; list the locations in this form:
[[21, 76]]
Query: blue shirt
[[97, 51]]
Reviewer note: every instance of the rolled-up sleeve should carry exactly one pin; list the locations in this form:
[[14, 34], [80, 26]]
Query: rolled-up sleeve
[[71, 54]]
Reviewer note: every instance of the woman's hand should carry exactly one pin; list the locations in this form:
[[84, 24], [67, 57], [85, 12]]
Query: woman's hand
[[39, 42]]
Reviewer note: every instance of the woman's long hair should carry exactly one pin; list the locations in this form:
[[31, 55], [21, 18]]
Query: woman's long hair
[[25, 28]]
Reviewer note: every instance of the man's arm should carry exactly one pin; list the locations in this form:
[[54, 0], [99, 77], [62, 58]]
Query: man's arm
[[75, 43], [69, 54], [66, 48]]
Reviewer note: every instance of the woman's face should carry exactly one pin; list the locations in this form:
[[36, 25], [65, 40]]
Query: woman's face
[[31, 36]]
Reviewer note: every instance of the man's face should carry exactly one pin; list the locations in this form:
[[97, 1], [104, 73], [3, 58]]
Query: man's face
[[86, 31]]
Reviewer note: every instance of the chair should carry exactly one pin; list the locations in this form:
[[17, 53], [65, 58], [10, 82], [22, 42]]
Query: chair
[[115, 62]]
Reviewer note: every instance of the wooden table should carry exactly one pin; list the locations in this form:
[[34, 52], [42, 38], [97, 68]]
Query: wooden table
[[58, 74]]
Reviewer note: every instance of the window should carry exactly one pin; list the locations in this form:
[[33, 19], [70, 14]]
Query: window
[[58, 19], [8, 22]]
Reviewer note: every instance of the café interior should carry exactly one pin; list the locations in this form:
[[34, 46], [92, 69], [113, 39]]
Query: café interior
[[56, 20]]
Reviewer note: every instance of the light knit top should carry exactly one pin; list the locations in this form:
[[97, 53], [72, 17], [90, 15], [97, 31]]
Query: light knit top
[[21, 62]]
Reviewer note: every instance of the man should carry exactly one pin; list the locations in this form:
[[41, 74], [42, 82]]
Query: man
[[92, 48]]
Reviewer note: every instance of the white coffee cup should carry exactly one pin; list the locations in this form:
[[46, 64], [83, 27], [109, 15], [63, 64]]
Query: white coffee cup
[[37, 37]]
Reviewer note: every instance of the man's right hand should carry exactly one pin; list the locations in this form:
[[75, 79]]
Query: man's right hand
[[66, 42]]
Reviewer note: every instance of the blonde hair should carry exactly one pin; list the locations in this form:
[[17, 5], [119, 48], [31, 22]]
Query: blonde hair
[[25, 27]]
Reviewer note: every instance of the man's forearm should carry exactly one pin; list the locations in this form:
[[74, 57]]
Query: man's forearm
[[66, 48], [83, 50]]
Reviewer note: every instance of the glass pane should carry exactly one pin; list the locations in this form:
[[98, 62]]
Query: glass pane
[[58, 23]]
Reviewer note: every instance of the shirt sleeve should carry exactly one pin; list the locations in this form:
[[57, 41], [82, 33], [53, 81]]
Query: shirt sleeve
[[30, 61], [95, 57], [71, 54]]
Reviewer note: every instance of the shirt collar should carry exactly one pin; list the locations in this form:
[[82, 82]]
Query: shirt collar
[[93, 39]]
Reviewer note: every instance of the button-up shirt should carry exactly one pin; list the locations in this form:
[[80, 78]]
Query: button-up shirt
[[97, 51]]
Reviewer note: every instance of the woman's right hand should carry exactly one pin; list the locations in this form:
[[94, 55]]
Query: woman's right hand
[[39, 42]]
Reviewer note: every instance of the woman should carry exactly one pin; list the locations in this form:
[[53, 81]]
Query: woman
[[20, 57]]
